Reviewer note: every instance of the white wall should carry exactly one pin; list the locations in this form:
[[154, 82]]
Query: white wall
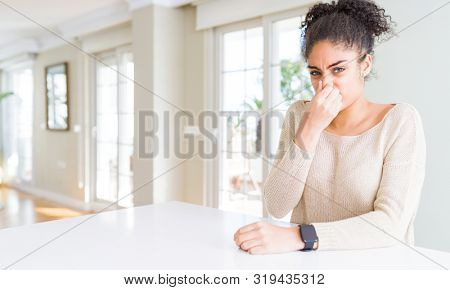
[[159, 43], [56, 158], [169, 81], [194, 101], [143, 52], [413, 68]]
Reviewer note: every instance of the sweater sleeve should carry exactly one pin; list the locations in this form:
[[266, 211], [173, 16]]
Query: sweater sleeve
[[285, 183], [397, 199]]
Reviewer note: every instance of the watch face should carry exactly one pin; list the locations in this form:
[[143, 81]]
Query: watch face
[[308, 233]]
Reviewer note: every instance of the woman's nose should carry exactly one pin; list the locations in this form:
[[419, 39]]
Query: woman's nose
[[327, 79]]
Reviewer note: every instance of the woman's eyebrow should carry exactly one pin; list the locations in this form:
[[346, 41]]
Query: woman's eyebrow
[[331, 65]]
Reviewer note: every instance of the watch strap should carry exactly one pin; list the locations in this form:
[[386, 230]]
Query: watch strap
[[309, 237]]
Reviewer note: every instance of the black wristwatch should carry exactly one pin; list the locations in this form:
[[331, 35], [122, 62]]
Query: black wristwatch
[[309, 237]]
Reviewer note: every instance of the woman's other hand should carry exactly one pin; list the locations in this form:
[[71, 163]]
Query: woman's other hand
[[265, 238]]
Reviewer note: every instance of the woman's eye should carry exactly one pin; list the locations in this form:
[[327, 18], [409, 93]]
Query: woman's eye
[[338, 69], [314, 73]]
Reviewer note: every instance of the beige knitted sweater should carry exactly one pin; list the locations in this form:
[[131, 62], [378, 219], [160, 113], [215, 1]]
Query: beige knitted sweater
[[358, 191]]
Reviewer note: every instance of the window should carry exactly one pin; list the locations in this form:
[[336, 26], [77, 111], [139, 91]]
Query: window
[[262, 75], [242, 90], [114, 127], [17, 131], [290, 78]]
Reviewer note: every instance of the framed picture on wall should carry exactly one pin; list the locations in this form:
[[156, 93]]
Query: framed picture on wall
[[57, 97]]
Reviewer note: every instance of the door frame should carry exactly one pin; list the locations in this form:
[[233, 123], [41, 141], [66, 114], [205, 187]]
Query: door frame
[[114, 52]]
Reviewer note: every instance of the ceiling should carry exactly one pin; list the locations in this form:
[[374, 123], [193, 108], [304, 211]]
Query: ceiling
[[17, 16]]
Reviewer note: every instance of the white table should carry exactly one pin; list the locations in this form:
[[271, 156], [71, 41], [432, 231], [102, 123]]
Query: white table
[[177, 236]]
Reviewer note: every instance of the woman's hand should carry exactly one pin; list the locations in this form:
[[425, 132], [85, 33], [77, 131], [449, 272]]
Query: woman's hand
[[265, 238], [325, 106]]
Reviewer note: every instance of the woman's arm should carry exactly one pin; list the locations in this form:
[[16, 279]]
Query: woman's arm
[[284, 185], [394, 211], [397, 198], [300, 134]]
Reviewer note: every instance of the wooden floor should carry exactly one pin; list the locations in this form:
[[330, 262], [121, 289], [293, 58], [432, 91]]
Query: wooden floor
[[23, 209]]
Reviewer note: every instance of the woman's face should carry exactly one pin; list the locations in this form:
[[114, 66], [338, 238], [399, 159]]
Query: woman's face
[[342, 67]]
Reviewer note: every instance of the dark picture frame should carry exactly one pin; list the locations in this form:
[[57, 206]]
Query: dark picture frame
[[57, 104]]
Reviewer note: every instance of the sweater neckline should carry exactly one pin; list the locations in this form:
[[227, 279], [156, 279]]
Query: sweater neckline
[[368, 130]]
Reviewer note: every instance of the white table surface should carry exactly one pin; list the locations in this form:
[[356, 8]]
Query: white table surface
[[177, 236]]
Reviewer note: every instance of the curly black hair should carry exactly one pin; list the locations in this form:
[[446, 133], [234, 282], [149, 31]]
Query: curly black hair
[[352, 23]]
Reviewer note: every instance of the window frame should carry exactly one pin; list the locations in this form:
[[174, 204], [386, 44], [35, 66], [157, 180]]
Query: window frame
[[215, 94], [115, 53], [6, 71]]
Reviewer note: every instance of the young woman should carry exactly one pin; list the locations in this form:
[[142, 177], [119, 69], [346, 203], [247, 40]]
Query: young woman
[[350, 170]]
